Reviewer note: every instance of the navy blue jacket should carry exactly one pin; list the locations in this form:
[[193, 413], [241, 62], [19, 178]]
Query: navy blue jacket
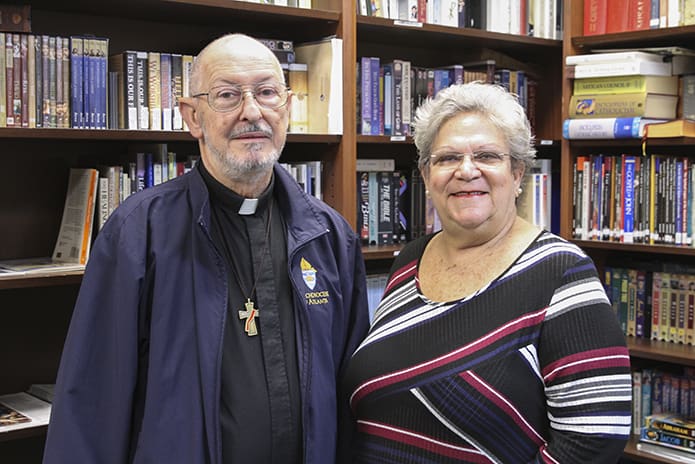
[[139, 379]]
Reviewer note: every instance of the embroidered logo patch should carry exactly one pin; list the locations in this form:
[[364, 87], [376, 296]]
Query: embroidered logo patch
[[314, 297], [308, 274]]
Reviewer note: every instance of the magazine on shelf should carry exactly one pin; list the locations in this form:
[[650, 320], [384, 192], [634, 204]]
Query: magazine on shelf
[[74, 239], [21, 411]]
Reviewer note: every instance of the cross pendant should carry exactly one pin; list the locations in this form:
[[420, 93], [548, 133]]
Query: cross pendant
[[250, 314]]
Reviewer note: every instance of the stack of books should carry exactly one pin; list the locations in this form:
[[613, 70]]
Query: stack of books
[[670, 435], [616, 94]]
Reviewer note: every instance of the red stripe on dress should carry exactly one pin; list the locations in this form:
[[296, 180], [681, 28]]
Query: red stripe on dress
[[528, 320], [405, 272], [614, 356], [423, 442]]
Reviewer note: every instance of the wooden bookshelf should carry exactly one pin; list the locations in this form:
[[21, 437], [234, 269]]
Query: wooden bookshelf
[[642, 351], [35, 311]]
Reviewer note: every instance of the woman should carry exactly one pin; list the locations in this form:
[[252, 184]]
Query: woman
[[494, 341]]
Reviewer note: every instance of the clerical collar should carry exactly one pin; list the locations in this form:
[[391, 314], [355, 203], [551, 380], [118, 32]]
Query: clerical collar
[[232, 200]]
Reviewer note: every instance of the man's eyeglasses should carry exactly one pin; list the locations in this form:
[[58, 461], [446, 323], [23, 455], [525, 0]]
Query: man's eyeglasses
[[229, 97], [481, 159]]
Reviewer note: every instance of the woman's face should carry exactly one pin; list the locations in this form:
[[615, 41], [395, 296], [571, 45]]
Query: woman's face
[[474, 194]]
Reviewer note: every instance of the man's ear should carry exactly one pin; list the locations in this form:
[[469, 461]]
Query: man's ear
[[190, 115]]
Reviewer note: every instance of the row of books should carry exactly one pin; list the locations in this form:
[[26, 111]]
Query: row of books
[[388, 94], [392, 206], [612, 16], [64, 82], [651, 304], [634, 199], [35, 86], [308, 176], [538, 18], [656, 393]]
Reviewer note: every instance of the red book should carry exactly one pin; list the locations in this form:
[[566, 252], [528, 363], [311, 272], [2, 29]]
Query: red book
[[640, 12], [618, 15], [595, 12]]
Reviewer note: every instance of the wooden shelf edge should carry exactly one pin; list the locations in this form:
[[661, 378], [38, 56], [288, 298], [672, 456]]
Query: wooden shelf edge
[[136, 135], [374, 252], [636, 455], [386, 23], [24, 433], [41, 280], [283, 11], [635, 247], [674, 353]]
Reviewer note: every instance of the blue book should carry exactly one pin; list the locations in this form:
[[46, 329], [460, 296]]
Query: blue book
[[628, 228], [149, 170], [678, 207], [388, 98], [606, 128], [366, 97], [76, 82], [375, 122]]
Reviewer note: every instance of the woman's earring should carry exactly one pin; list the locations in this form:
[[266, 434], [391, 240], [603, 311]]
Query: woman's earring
[[519, 191]]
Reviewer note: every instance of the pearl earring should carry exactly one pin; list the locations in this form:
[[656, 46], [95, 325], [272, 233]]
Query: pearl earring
[[519, 191]]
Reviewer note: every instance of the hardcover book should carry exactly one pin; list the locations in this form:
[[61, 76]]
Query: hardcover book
[[647, 105], [667, 85], [676, 128], [22, 410]]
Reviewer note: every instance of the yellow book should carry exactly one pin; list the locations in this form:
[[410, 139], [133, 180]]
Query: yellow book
[[676, 128], [646, 105], [667, 85], [154, 95]]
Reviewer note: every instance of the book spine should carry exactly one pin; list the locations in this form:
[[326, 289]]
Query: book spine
[[176, 90], [67, 103], [374, 122], [601, 128], [622, 68], [17, 80], [365, 95], [154, 92], [385, 208], [595, 17], [77, 81], [60, 97], [3, 83], [628, 206], [398, 98], [141, 90], [131, 105], [45, 80], [165, 86], [31, 79]]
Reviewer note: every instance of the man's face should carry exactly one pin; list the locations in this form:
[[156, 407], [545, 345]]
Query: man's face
[[247, 140]]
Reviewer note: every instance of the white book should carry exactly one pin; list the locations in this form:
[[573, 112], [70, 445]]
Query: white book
[[611, 57], [622, 68], [75, 235], [21, 411]]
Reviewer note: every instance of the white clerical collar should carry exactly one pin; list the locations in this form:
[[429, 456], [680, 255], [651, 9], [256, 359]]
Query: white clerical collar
[[248, 206]]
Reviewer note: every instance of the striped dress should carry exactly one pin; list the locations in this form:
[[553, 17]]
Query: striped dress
[[531, 368]]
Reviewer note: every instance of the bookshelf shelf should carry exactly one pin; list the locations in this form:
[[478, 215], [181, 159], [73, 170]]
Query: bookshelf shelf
[[674, 353], [644, 352], [410, 34], [664, 37], [137, 135], [636, 248], [636, 455], [41, 280], [24, 433], [374, 252]]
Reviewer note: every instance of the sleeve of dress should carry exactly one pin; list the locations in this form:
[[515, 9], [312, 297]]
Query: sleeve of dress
[[586, 371], [92, 411]]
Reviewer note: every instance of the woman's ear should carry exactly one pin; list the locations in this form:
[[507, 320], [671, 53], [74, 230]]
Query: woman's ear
[[189, 113]]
